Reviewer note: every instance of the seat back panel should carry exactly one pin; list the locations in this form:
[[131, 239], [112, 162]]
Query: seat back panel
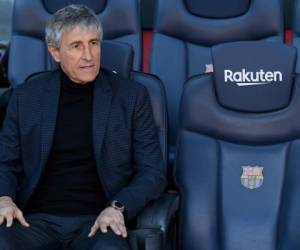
[[198, 189], [220, 209], [252, 180]]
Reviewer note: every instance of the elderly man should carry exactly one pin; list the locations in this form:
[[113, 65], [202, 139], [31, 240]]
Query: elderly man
[[79, 150]]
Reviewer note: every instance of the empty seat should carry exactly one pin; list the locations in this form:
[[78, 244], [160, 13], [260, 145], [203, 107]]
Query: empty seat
[[185, 30], [237, 163]]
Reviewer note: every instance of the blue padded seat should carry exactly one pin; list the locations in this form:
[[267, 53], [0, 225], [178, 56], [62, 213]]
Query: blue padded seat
[[185, 31], [237, 164], [28, 52]]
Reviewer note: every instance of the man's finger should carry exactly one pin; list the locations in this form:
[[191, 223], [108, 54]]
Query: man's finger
[[115, 228], [103, 227], [123, 230], [94, 229], [1, 219], [9, 220], [21, 219]]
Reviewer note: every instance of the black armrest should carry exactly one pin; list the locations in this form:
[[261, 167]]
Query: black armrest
[[160, 215], [146, 239]]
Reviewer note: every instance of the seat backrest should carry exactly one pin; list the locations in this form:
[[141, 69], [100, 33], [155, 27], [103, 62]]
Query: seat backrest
[[185, 30], [238, 151], [122, 63], [28, 52], [158, 99]]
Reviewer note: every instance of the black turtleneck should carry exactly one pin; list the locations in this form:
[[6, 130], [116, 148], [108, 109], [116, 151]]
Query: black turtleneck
[[70, 182]]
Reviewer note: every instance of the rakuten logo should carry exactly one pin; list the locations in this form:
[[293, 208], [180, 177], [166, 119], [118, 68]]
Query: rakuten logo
[[244, 78]]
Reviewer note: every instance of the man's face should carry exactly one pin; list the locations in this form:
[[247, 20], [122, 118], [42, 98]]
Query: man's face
[[79, 54]]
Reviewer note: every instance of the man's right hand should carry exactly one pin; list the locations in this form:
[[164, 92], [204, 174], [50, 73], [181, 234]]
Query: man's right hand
[[9, 211]]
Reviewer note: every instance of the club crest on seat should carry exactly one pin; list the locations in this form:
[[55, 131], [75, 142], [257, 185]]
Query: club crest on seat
[[252, 177]]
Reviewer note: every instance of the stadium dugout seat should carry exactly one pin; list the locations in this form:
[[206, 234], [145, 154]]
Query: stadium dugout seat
[[185, 30], [28, 52], [238, 150]]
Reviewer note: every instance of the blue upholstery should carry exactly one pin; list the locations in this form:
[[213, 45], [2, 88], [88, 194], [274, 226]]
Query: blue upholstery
[[122, 60], [28, 52], [227, 203], [54, 5], [185, 30]]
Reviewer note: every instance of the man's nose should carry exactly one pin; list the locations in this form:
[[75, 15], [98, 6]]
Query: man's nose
[[87, 53]]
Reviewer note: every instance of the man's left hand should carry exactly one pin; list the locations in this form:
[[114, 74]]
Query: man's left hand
[[110, 217]]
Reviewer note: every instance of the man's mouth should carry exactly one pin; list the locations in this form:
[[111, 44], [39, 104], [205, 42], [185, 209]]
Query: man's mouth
[[87, 66]]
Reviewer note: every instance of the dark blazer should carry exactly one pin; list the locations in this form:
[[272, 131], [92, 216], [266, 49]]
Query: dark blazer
[[126, 145]]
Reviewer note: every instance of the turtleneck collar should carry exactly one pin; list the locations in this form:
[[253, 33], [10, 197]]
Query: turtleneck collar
[[75, 88]]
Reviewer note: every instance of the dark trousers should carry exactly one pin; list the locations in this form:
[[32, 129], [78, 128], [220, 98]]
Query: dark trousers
[[52, 232]]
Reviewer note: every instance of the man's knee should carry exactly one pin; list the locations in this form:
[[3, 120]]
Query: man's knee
[[110, 241]]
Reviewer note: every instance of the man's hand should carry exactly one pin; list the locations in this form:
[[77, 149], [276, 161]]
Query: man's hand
[[9, 211], [109, 217]]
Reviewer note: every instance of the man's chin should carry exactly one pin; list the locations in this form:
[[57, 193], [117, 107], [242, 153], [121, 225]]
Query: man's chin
[[88, 78]]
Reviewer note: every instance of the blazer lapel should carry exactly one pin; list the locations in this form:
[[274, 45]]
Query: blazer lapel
[[49, 113], [101, 110]]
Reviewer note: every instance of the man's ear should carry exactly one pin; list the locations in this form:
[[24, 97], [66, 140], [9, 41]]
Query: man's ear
[[54, 52]]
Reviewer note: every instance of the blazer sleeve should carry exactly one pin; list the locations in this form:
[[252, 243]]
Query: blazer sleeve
[[10, 149], [149, 180]]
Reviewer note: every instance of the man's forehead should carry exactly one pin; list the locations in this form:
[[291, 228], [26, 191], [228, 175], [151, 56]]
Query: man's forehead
[[80, 32]]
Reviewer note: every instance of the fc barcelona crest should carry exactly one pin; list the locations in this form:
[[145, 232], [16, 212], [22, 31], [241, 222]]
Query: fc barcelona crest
[[252, 177]]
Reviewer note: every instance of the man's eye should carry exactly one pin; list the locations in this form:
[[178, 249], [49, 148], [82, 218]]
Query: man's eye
[[95, 42], [76, 46]]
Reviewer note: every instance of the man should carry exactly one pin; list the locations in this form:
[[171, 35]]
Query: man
[[78, 150]]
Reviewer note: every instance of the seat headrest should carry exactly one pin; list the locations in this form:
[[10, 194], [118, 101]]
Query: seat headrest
[[53, 5], [225, 9], [253, 76], [117, 57]]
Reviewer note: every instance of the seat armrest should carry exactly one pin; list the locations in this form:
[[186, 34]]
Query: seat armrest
[[154, 224], [159, 213]]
